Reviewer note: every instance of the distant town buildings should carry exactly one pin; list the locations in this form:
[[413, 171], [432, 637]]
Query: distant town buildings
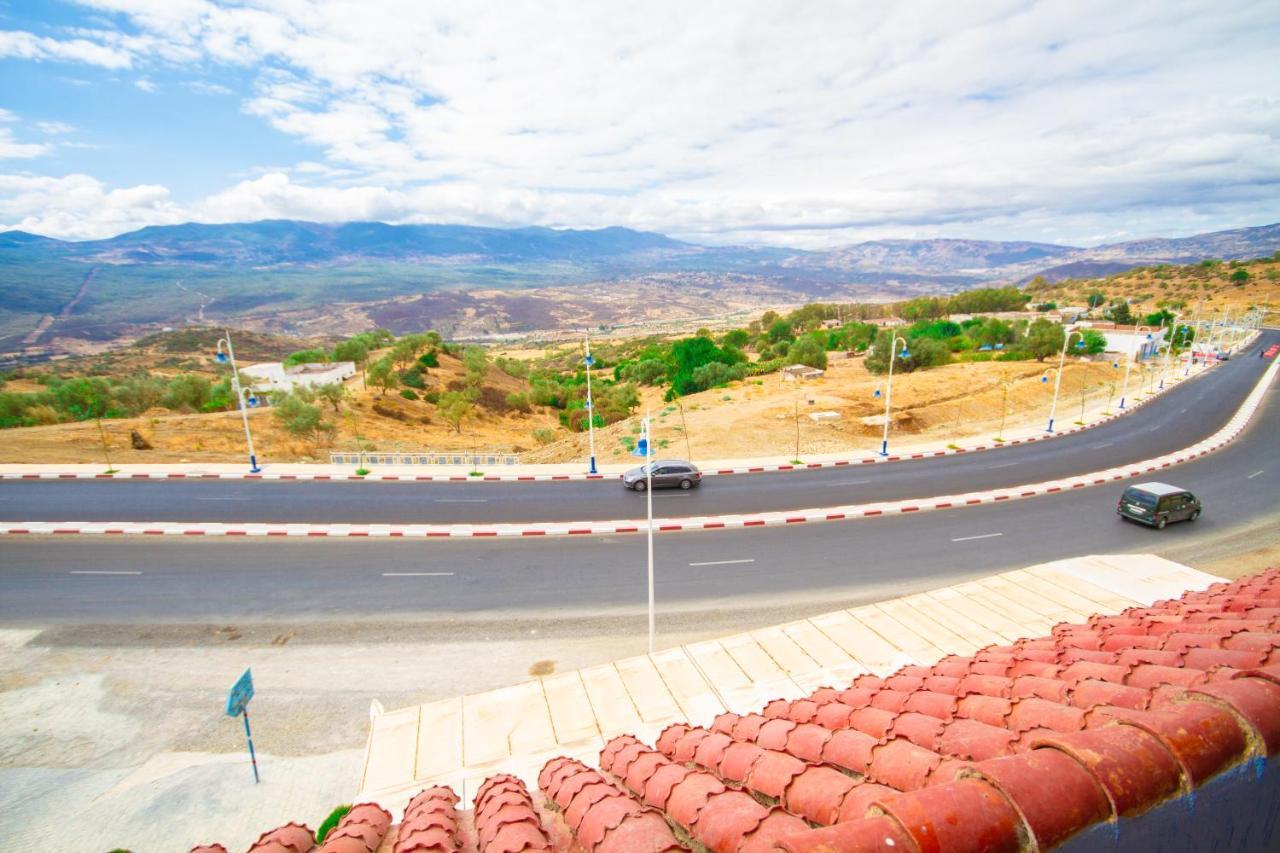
[[274, 376]]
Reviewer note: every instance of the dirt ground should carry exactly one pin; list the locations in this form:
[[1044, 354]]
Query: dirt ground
[[758, 417], [752, 418]]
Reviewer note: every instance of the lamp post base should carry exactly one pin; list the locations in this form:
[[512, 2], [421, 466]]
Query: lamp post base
[[884, 448], [1050, 429], [592, 470], [253, 465]]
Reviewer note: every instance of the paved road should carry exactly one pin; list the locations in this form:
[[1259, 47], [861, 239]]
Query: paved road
[[1178, 419], [378, 582]]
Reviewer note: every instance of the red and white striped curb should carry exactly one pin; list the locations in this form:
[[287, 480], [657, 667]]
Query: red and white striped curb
[[545, 478], [664, 525]]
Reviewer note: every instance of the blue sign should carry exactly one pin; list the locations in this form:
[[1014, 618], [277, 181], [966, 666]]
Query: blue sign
[[240, 695], [588, 361], [642, 448]]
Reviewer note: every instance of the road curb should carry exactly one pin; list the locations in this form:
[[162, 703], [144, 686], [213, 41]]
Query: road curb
[[1222, 437]]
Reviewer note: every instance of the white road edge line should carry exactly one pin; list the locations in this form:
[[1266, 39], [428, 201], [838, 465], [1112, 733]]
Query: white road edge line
[[983, 536], [417, 574], [1107, 444], [723, 562], [460, 500], [847, 483], [87, 572], [1255, 473]]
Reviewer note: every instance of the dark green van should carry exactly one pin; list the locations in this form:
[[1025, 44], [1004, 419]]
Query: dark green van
[[1157, 504]]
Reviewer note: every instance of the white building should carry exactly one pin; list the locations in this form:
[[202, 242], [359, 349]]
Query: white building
[[274, 376], [1140, 342], [800, 372]]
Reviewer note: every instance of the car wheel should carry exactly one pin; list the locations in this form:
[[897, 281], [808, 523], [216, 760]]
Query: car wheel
[[1161, 523], [686, 484], [1194, 515], [640, 486]]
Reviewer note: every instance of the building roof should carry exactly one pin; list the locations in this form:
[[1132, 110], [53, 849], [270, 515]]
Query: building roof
[[1033, 741]]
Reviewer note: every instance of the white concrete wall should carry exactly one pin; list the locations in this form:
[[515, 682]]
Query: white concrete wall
[[273, 376]]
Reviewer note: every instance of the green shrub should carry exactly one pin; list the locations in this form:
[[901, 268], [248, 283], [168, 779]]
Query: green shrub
[[543, 435], [330, 822], [409, 394]]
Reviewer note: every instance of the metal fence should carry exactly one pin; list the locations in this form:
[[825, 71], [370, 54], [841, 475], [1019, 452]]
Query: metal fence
[[422, 457]]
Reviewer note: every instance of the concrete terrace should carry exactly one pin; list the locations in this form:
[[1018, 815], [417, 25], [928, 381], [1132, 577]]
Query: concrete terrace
[[459, 742]]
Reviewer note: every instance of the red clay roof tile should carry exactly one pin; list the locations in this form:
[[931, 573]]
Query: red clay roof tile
[[1052, 812], [1133, 767], [874, 833], [964, 816], [1255, 701]]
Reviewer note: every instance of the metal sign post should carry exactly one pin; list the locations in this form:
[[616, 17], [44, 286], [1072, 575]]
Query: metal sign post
[[591, 412], [238, 706], [644, 448]]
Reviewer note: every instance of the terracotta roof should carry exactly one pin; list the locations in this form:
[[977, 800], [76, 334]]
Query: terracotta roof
[[1122, 713]]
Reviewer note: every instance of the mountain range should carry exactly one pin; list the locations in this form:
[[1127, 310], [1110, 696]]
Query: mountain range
[[194, 272]]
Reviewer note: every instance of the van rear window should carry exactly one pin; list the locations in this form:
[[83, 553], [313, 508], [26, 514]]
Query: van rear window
[[1145, 499]]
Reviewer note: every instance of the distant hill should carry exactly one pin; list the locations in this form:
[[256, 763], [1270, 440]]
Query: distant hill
[[283, 241], [311, 278]]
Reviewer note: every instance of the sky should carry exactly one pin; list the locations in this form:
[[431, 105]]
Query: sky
[[799, 124]]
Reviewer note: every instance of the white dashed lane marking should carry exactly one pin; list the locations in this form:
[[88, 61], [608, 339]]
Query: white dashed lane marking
[[417, 574], [983, 536], [722, 562]]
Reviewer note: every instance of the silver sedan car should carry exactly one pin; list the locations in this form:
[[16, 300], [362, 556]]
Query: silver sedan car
[[667, 474]]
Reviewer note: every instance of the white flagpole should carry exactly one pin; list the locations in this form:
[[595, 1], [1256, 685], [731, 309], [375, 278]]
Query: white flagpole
[[591, 412], [648, 491]]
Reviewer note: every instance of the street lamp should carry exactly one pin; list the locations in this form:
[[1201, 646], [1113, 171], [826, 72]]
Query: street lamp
[[245, 398], [888, 397], [1057, 382], [1128, 365], [591, 413], [1174, 330]]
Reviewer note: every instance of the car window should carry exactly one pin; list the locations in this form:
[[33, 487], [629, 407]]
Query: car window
[[1143, 499]]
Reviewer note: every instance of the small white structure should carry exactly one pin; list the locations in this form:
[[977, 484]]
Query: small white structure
[[1128, 341], [800, 372], [274, 376]]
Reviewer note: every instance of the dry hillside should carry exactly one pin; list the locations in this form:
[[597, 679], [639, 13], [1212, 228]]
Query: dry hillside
[[1209, 285]]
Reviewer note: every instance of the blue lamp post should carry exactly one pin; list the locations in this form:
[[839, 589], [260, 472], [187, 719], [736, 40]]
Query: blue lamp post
[[888, 397], [245, 398], [1128, 365], [1057, 382]]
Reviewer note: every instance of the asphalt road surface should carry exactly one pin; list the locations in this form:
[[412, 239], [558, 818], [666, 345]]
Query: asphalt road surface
[[1175, 420], [102, 580]]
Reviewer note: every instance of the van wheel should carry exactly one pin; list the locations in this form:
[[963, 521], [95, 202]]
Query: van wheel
[[1194, 515], [686, 484], [640, 485], [1161, 523]]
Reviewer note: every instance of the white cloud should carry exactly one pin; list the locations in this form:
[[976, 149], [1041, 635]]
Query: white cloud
[[810, 125], [147, 85], [78, 207], [24, 45], [55, 128]]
